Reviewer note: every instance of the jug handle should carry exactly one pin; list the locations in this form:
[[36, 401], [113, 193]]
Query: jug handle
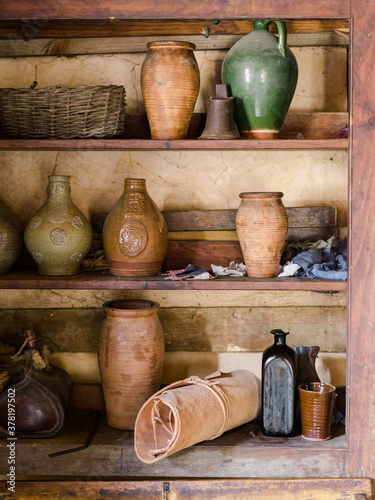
[[281, 28]]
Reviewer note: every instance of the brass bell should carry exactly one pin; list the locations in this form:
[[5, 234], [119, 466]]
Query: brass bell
[[220, 122]]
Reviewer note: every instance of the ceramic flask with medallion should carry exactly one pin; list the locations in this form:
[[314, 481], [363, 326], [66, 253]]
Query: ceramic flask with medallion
[[59, 236], [135, 234]]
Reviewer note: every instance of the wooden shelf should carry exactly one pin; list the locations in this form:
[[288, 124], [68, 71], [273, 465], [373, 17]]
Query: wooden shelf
[[241, 452], [300, 131], [194, 9], [180, 145], [102, 280]]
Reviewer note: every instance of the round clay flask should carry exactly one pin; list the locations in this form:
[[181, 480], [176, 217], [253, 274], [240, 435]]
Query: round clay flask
[[135, 234], [170, 86], [10, 239], [59, 236], [131, 357], [262, 225], [261, 73]]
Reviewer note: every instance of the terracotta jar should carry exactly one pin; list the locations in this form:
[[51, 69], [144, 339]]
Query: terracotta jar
[[262, 225], [131, 357], [59, 236], [135, 234], [10, 239], [170, 86]]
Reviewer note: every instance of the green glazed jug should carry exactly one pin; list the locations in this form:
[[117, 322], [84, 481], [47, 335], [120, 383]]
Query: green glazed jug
[[261, 73]]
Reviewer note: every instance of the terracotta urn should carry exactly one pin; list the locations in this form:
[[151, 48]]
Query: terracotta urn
[[170, 85], [135, 234], [261, 73], [10, 238], [262, 225], [58, 236], [131, 357]]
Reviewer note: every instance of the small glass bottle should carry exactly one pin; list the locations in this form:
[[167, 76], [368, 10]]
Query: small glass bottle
[[279, 372]]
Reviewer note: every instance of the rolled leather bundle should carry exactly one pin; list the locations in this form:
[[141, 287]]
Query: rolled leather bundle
[[193, 410]]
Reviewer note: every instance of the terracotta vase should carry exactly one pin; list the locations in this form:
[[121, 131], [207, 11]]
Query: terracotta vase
[[135, 234], [262, 225], [317, 400], [131, 357], [170, 86], [58, 236], [10, 239], [261, 73]]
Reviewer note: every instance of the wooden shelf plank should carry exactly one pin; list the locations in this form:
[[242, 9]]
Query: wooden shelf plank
[[210, 489], [161, 9], [13, 30], [176, 145], [299, 131], [103, 281], [241, 452]]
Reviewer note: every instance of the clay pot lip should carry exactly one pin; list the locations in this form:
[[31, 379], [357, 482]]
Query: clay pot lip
[[255, 195], [171, 43], [313, 386], [131, 305]]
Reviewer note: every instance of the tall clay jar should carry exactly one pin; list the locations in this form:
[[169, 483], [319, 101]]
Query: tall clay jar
[[135, 234], [262, 225], [58, 236], [170, 85], [131, 357], [10, 239]]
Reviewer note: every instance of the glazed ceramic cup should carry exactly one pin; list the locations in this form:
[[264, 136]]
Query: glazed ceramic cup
[[317, 401]]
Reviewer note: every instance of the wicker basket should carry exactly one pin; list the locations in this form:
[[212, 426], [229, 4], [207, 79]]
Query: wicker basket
[[63, 112]]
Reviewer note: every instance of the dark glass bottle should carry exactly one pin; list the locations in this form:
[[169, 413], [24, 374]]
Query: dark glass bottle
[[279, 375]]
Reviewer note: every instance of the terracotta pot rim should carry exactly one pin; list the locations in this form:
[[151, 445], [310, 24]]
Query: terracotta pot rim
[[328, 388], [171, 43], [254, 195], [131, 305]]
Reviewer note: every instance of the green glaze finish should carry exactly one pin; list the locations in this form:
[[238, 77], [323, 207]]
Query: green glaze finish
[[58, 236], [261, 73]]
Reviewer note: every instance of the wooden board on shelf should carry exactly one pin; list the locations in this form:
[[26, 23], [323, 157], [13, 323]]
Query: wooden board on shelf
[[189, 329], [102, 280], [237, 453], [16, 47], [300, 131], [305, 224], [194, 9], [210, 489], [15, 30]]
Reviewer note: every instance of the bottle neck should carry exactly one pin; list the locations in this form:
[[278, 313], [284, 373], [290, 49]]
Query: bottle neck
[[280, 340], [280, 336], [58, 187], [135, 185]]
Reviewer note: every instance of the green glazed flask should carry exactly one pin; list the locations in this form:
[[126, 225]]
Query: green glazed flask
[[261, 73]]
